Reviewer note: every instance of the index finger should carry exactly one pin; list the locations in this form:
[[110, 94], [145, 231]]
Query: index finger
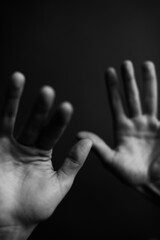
[[114, 95]]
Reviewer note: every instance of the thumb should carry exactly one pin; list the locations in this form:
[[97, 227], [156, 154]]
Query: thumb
[[105, 153], [73, 163]]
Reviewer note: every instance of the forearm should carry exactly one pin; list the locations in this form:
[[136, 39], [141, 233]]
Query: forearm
[[15, 233]]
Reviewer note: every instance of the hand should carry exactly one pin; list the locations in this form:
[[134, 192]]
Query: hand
[[30, 189], [136, 158]]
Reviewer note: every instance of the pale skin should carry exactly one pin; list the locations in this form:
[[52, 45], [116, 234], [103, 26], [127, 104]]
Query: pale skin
[[30, 189], [136, 157]]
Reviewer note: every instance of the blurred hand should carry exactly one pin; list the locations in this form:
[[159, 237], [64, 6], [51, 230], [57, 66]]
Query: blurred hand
[[136, 158], [30, 189]]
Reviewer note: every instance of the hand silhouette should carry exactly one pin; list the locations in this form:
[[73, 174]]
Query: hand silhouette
[[30, 189], [136, 158]]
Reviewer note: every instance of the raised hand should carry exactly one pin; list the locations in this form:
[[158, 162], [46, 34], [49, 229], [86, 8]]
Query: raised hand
[[136, 158], [30, 189]]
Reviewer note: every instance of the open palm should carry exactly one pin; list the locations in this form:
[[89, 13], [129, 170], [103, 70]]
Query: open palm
[[136, 158], [30, 189]]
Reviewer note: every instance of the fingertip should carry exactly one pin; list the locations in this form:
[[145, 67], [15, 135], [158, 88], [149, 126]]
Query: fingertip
[[80, 151], [18, 75], [109, 71], [127, 64], [148, 65], [86, 142], [66, 108], [17, 79], [63, 114], [111, 76], [127, 70], [148, 69], [48, 92], [81, 135]]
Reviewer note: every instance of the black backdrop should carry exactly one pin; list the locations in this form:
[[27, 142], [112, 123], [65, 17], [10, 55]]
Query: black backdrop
[[68, 46]]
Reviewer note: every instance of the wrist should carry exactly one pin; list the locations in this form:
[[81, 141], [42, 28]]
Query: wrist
[[15, 232]]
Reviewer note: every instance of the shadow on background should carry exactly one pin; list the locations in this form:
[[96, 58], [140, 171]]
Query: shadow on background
[[68, 46]]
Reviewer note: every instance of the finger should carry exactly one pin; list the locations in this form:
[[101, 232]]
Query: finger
[[73, 163], [114, 95], [38, 117], [131, 89], [13, 95], [56, 126], [150, 88], [105, 153]]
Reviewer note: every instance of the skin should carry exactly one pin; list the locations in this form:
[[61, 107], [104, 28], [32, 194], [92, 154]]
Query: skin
[[30, 189], [136, 157]]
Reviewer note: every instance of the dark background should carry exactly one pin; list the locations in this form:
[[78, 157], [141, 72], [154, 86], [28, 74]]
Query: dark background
[[68, 46]]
